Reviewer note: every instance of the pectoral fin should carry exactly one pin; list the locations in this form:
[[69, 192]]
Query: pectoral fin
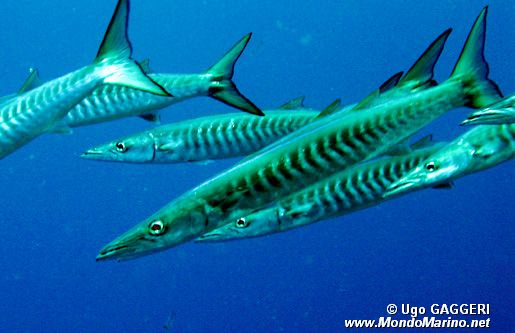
[[299, 211], [153, 117], [444, 186]]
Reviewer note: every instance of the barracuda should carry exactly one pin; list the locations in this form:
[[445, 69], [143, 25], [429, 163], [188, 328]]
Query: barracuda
[[342, 193], [308, 157], [108, 103], [206, 138], [480, 148], [27, 115], [502, 112]]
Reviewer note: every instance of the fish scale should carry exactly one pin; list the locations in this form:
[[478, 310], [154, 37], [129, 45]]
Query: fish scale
[[35, 111], [341, 193], [480, 148], [361, 186], [363, 133], [502, 112], [206, 138], [399, 118], [109, 103]]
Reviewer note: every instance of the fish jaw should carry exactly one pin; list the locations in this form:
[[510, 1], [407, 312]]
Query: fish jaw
[[448, 163], [125, 246], [491, 117], [171, 226], [404, 185], [99, 153], [135, 149]]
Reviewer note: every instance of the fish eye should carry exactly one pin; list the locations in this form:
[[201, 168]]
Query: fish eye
[[431, 166], [156, 227], [242, 223], [120, 146]]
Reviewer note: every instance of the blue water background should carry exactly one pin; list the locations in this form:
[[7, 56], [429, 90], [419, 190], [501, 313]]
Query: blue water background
[[57, 210]]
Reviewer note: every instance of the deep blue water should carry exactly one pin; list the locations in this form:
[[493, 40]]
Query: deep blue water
[[57, 210]]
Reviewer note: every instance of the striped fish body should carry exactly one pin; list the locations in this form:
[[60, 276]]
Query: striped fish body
[[311, 156], [112, 102], [480, 148], [331, 147], [109, 103], [287, 168], [26, 116], [203, 139], [35, 111], [344, 192]]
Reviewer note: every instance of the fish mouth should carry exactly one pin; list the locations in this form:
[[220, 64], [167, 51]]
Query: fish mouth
[[118, 252], [91, 153], [100, 154], [491, 116], [211, 237], [400, 187]]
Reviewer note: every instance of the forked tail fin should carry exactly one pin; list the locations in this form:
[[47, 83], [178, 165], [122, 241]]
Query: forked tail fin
[[472, 68], [222, 72], [114, 61]]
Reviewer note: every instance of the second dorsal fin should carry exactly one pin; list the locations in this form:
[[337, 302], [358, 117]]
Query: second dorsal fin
[[422, 72], [293, 104], [330, 109]]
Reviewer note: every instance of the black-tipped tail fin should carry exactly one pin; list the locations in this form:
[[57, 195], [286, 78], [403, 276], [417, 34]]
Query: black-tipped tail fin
[[422, 72], [472, 68], [225, 89]]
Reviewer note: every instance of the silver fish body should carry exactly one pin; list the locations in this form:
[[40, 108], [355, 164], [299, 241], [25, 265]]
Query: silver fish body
[[314, 154], [27, 115], [204, 139], [108, 103]]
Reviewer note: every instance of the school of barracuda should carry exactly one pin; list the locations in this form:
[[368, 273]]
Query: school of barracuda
[[300, 165]]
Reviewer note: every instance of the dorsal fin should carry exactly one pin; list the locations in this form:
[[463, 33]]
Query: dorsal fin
[[367, 101], [293, 104], [391, 82], [145, 65], [422, 71], [331, 108], [31, 82], [371, 99]]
